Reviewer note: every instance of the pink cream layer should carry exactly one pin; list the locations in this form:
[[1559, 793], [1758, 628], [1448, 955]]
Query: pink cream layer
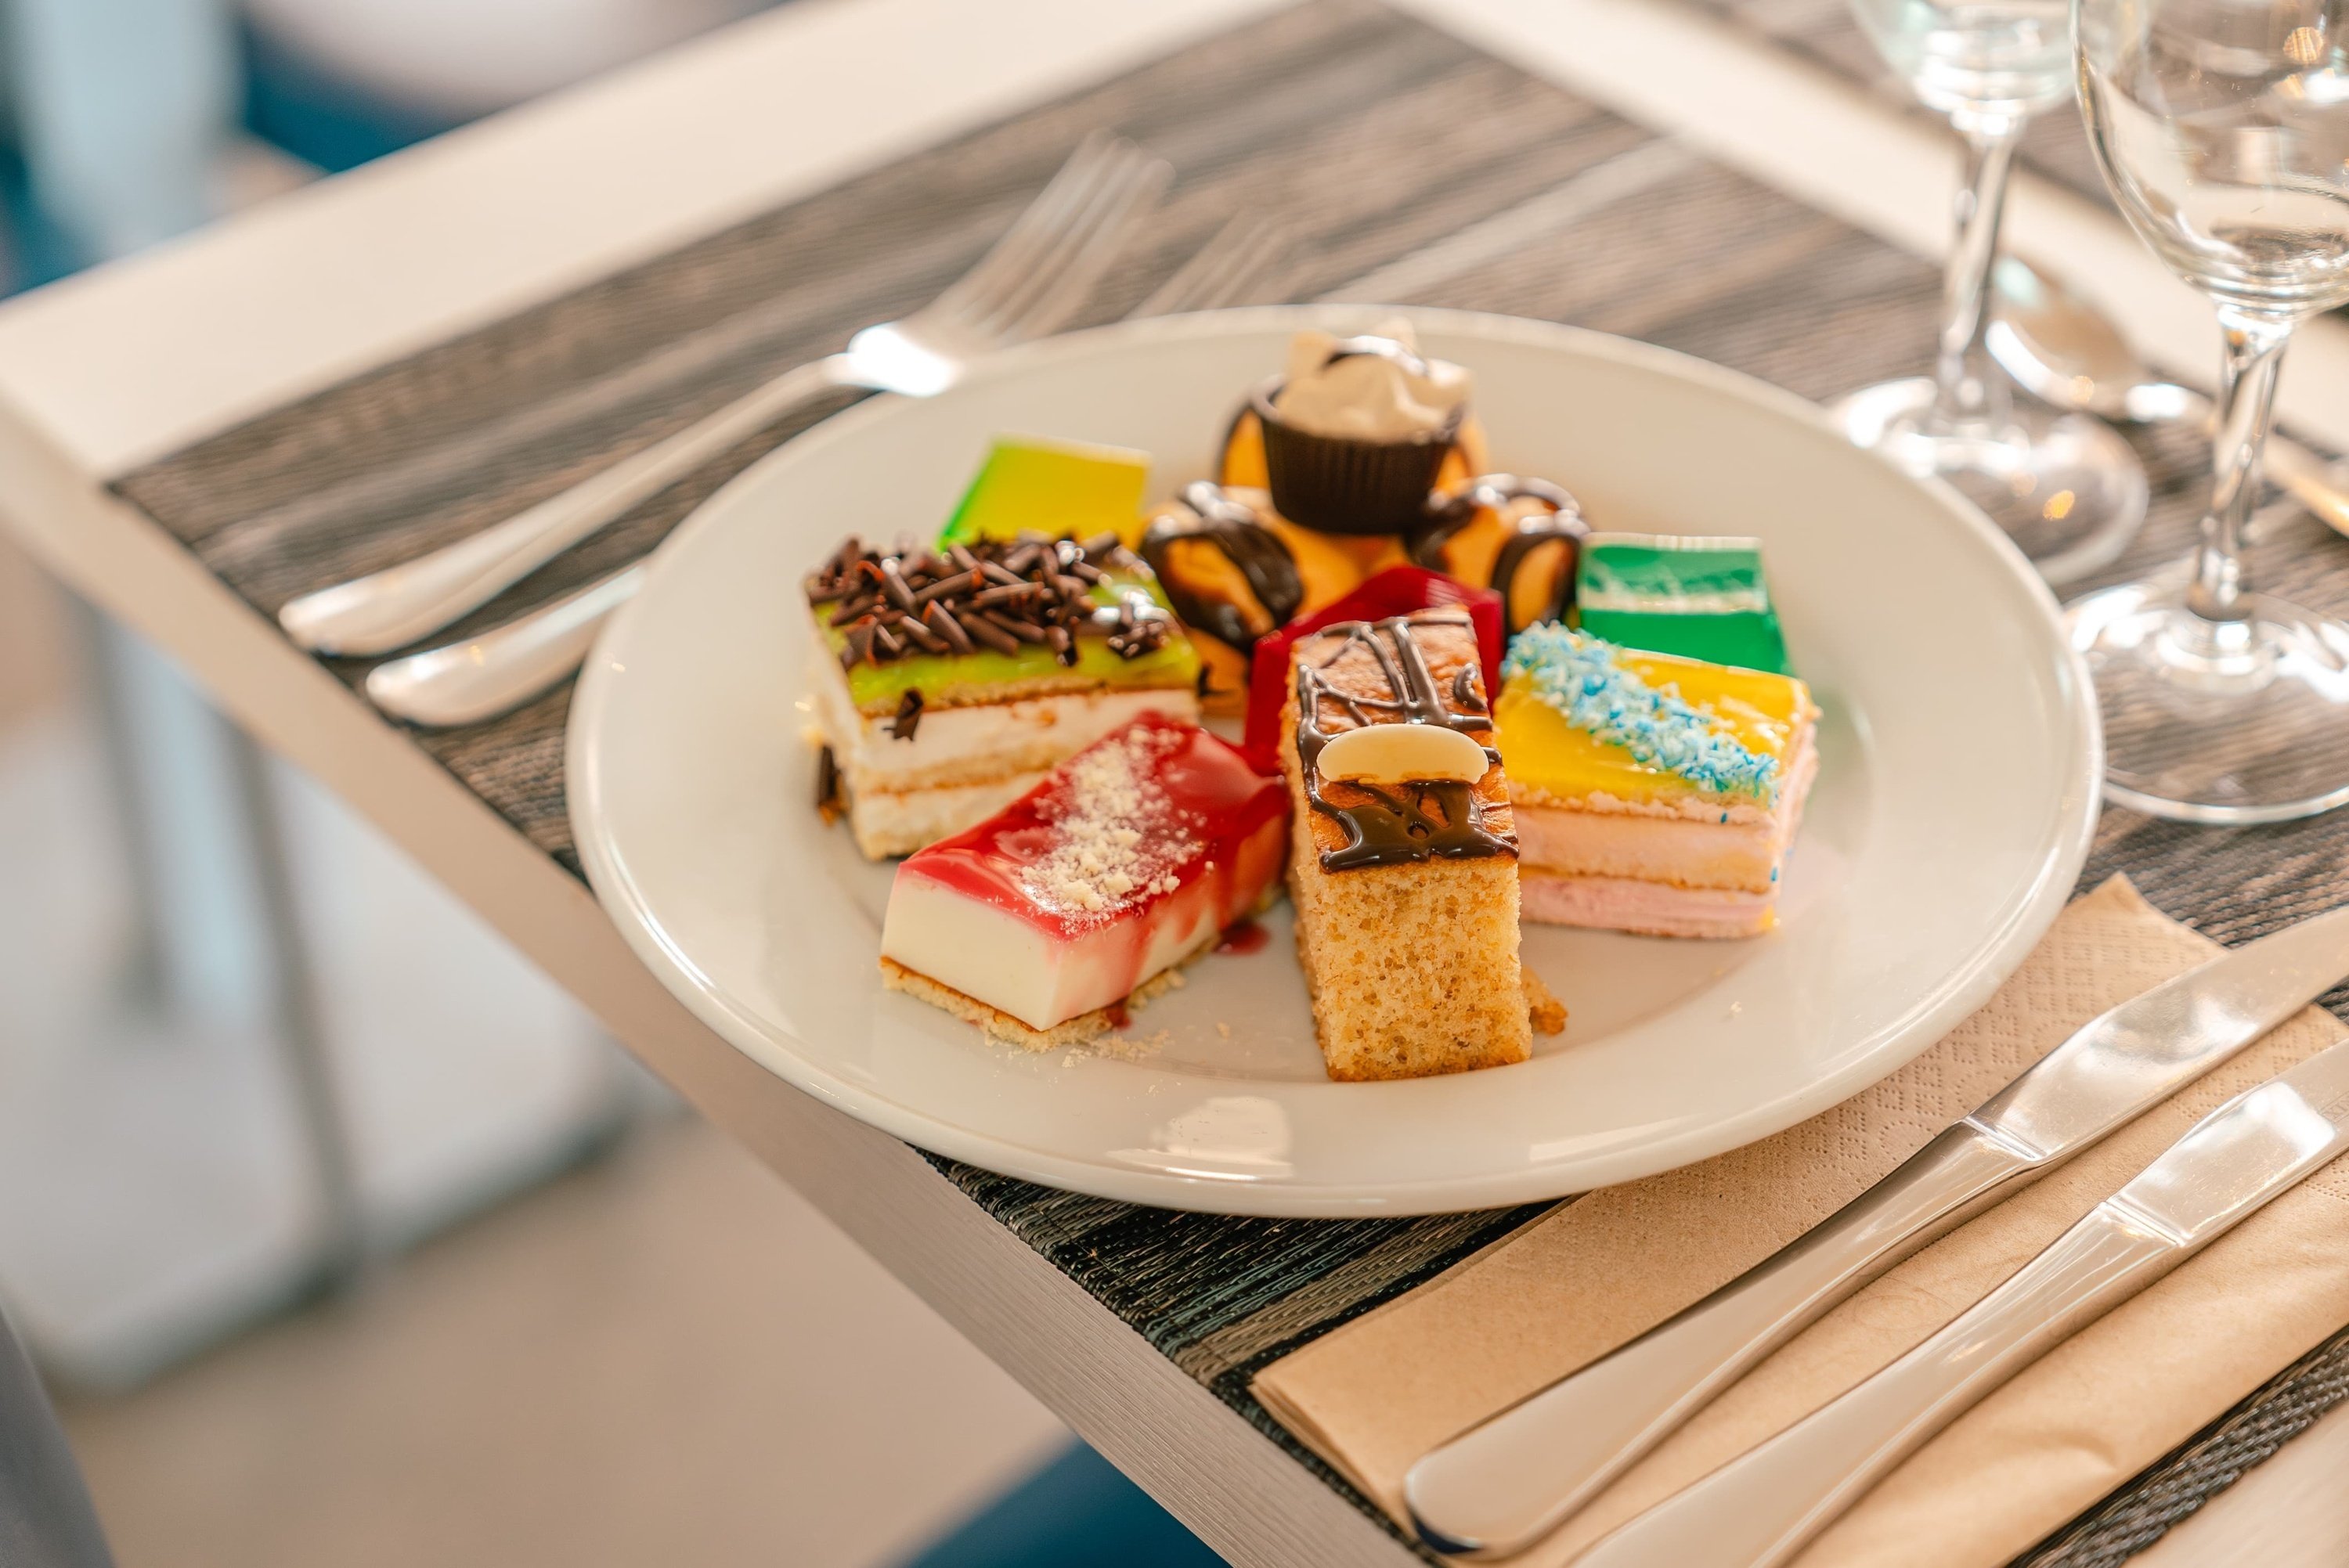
[[1131, 856], [1686, 851], [1651, 909]]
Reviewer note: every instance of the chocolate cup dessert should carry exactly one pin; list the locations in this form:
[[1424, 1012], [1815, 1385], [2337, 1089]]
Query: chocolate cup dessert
[[1343, 484]]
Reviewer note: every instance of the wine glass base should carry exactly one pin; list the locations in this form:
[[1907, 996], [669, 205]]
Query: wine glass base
[[2217, 721], [2065, 487]]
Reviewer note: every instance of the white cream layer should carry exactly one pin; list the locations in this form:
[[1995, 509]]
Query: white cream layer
[[898, 822], [1042, 979], [975, 745]]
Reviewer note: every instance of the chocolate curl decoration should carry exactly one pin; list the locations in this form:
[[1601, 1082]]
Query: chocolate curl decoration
[[909, 716], [1033, 591]]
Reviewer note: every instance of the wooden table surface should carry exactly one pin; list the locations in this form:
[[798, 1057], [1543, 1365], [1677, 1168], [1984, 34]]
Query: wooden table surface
[[134, 360]]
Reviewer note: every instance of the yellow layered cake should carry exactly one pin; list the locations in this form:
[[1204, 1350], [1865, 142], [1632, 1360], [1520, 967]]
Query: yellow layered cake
[[1651, 793]]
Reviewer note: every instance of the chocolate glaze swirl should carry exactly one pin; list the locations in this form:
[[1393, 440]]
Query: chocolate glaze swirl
[[1561, 526], [1395, 824], [1259, 555]]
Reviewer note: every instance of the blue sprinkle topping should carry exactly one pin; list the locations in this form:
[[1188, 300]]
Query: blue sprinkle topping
[[1578, 674]]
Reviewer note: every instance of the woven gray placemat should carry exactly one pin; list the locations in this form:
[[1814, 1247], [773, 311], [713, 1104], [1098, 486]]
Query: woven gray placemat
[[1376, 138]]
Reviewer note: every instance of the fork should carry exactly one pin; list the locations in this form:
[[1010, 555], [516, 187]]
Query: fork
[[1032, 281], [468, 682]]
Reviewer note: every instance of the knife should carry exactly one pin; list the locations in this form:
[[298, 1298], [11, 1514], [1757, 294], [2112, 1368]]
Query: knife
[[1504, 1483], [1762, 1509]]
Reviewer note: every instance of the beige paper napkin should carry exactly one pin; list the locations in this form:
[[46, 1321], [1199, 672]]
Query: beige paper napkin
[[1374, 1395]]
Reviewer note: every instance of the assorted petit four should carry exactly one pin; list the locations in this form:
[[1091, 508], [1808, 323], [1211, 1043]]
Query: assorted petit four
[[1069, 489], [1046, 923], [1234, 574], [1701, 598], [1357, 430], [1519, 537], [1462, 706], [1235, 565], [1402, 861], [1397, 591], [951, 679], [1652, 793]]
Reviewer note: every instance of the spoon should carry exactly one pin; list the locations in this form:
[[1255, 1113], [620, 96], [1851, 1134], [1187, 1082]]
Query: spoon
[[2065, 352]]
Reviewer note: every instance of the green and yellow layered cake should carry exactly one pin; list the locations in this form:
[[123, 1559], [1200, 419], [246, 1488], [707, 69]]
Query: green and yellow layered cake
[[949, 681]]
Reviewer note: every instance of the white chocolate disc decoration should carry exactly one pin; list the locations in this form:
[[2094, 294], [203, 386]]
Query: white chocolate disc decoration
[[1401, 754]]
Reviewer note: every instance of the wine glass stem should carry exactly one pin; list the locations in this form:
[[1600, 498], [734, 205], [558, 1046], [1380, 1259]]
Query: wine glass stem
[[1967, 389], [2255, 346]]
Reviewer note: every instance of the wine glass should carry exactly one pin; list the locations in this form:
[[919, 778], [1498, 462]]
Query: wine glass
[[2222, 126], [2065, 487]]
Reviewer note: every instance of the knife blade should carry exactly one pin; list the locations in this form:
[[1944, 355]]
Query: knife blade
[[1763, 1508], [1504, 1483]]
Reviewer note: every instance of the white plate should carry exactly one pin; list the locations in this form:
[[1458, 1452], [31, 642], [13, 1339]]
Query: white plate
[[1950, 817]]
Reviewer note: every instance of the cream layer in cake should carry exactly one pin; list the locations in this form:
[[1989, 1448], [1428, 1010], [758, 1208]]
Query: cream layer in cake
[[979, 743], [1658, 795], [962, 764], [1644, 908], [887, 824]]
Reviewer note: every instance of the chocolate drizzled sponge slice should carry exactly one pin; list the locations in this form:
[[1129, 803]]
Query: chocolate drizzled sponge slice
[[1405, 889]]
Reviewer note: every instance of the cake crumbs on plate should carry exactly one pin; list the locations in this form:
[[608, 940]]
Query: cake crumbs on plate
[[1543, 1009], [1123, 1048]]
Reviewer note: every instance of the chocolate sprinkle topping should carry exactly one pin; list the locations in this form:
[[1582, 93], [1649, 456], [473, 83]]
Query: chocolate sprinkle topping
[[829, 800], [995, 593], [909, 716]]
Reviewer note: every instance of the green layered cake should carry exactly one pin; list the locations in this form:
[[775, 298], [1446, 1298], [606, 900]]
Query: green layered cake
[[949, 681], [1695, 597]]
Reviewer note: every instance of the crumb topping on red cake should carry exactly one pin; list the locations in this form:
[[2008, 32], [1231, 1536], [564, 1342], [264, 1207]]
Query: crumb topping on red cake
[[1117, 830], [1118, 840]]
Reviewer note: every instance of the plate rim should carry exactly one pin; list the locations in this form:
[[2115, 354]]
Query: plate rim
[[1962, 993]]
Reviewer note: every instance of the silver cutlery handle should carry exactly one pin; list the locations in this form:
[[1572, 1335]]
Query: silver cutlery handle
[[1506, 1483], [500, 670], [399, 605], [1763, 1507]]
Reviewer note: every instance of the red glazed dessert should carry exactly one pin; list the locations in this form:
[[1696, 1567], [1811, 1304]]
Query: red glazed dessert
[[1042, 922]]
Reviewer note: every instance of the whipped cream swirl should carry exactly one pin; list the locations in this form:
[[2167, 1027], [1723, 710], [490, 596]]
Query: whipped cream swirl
[[1375, 387]]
